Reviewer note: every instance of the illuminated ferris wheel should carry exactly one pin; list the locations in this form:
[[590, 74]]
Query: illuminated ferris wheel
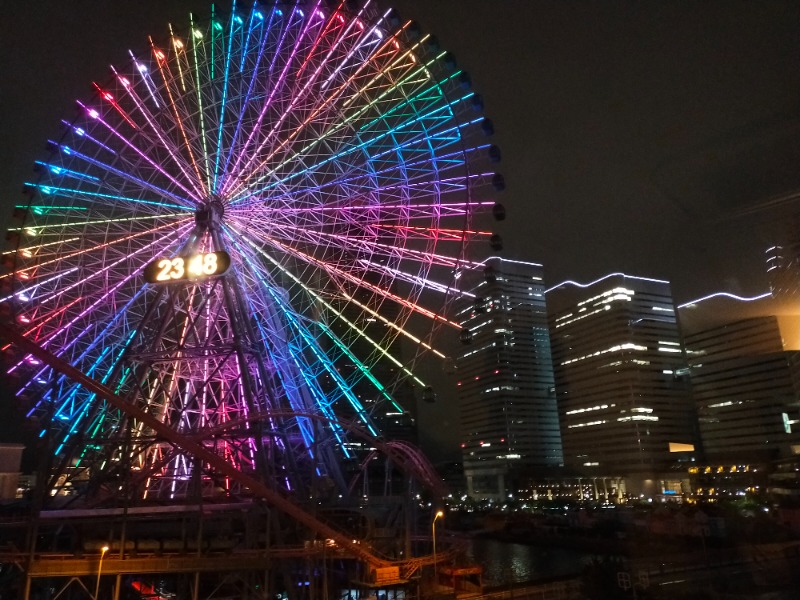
[[237, 233]]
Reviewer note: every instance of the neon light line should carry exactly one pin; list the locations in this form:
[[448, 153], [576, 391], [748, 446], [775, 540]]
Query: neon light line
[[104, 221], [410, 211], [42, 209], [394, 148], [76, 387], [94, 115], [105, 95], [148, 82], [221, 122], [330, 307], [28, 249], [276, 86], [603, 278], [344, 319], [250, 87], [380, 74], [64, 257], [280, 363], [393, 325], [162, 65], [45, 341], [329, 367], [38, 324], [42, 301], [123, 174], [201, 111], [51, 190], [327, 26], [400, 253], [434, 234], [449, 157], [57, 170], [421, 282], [29, 288], [726, 295], [421, 97], [320, 107], [177, 46], [330, 269], [360, 44], [80, 132]]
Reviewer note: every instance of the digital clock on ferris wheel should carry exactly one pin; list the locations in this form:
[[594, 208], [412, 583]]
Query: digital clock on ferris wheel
[[187, 268]]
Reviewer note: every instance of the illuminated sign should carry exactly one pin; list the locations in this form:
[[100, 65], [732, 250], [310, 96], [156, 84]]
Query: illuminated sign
[[184, 268]]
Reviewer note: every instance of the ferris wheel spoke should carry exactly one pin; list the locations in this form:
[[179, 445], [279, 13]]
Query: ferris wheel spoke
[[345, 275], [295, 104], [420, 138], [90, 197], [108, 330], [417, 76], [314, 117], [429, 233], [147, 129], [304, 340], [125, 176], [299, 378], [42, 302], [153, 135], [446, 162], [361, 333], [366, 241], [256, 24], [90, 249], [275, 87], [168, 79]]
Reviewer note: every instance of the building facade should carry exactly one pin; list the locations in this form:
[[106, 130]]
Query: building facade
[[744, 383], [621, 380], [509, 419]]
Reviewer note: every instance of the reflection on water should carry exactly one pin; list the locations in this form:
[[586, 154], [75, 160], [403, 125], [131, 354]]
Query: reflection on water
[[505, 562]]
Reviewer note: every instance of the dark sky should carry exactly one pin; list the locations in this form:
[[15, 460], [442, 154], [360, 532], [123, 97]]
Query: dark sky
[[634, 134]]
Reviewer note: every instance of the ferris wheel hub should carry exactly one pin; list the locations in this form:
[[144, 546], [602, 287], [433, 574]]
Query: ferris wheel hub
[[209, 214]]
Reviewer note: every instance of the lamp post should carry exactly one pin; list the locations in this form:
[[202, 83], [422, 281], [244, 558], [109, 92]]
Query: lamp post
[[103, 551], [438, 515]]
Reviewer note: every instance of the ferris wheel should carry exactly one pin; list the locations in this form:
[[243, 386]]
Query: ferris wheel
[[247, 232]]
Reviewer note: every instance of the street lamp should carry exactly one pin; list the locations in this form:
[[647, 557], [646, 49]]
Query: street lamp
[[438, 515], [103, 551]]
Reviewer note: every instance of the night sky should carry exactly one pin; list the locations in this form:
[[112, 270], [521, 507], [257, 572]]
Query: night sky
[[637, 136]]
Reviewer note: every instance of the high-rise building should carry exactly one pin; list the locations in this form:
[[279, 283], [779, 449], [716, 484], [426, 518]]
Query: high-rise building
[[509, 419], [621, 379], [744, 382]]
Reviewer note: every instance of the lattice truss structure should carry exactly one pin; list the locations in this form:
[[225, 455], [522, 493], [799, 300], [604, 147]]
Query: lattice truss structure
[[337, 155]]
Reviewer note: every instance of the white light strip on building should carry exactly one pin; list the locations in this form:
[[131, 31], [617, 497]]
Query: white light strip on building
[[586, 285]]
